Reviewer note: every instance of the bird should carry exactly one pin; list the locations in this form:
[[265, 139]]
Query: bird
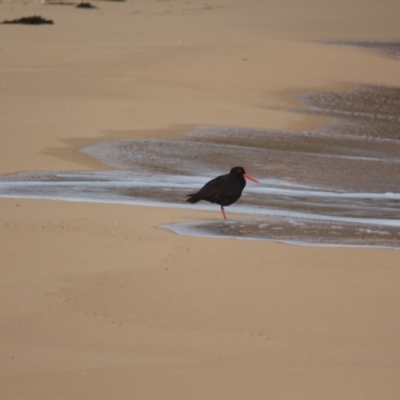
[[223, 190]]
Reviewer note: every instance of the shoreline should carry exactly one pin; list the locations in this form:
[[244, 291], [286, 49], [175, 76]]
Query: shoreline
[[161, 183]]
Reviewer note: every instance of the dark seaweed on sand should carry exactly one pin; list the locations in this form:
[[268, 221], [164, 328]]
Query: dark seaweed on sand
[[84, 4], [34, 20]]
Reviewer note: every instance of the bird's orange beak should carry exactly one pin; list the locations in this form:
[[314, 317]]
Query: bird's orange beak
[[249, 177]]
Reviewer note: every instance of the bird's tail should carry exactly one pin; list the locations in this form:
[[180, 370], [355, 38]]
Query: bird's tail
[[192, 198]]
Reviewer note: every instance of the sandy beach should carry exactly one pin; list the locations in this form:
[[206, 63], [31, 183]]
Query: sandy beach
[[100, 302]]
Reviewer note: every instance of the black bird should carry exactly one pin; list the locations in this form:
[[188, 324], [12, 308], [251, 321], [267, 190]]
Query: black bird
[[224, 190]]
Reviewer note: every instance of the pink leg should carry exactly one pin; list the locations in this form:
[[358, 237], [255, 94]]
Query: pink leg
[[223, 212]]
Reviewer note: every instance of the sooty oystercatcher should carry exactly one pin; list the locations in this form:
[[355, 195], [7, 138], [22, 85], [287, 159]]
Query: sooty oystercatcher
[[223, 190]]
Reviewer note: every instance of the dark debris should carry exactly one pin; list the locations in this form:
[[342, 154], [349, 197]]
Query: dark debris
[[33, 20]]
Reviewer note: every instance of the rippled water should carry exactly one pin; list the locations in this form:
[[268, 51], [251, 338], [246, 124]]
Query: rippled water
[[337, 185]]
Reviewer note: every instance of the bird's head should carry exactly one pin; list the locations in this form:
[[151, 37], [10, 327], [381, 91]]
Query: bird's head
[[239, 171]]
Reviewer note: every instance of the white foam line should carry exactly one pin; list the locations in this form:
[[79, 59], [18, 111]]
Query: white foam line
[[187, 183], [318, 193]]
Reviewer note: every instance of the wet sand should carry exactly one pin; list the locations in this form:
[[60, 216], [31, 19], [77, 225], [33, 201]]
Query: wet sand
[[97, 300]]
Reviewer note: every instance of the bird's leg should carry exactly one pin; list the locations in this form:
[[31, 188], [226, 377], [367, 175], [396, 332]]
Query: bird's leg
[[223, 212]]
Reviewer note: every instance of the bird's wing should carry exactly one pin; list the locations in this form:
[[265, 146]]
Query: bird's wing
[[214, 190]]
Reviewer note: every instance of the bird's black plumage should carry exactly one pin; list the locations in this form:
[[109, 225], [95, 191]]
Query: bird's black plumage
[[223, 190]]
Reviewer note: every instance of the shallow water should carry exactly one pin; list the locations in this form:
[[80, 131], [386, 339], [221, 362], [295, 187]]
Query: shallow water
[[337, 185], [390, 46]]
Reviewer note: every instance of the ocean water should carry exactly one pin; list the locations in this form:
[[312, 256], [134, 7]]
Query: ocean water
[[338, 185]]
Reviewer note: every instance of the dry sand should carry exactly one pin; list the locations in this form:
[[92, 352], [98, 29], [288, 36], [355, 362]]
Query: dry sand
[[98, 302]]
